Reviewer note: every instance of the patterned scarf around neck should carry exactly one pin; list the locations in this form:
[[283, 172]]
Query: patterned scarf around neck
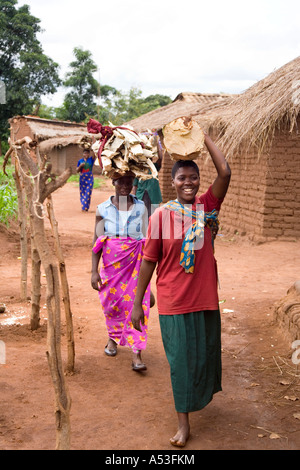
[[200, 219]]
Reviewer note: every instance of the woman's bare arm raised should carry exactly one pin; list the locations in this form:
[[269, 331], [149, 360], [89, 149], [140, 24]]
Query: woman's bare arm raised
[[221, 183]]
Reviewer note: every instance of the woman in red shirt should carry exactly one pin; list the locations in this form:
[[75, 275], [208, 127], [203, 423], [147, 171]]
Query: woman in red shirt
[[180, 243]]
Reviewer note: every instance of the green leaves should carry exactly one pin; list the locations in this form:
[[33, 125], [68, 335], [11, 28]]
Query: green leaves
[[8, 198], [8, 203], [25, 70], [28, 74], [80, 101], [119, 107]]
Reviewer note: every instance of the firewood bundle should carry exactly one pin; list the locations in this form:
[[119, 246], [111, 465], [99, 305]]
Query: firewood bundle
[[85, 142], [126, 151]]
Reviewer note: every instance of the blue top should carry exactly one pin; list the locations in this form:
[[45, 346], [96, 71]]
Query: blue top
[[123, 223], [89, 163]]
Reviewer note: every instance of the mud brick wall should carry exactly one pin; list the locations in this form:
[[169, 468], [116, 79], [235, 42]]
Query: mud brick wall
[[165, 179], [65, 157], [68, 156], [263, 200], [20, 129], [282, 198], [243, 208]]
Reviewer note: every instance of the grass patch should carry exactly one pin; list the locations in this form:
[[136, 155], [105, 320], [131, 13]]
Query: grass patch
[[99, 181]]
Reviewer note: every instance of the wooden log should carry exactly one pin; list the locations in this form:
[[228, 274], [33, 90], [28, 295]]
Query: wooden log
[[25, 140], [22, 220], [62, 398], [65, 289], [35, 286], [287, 312]]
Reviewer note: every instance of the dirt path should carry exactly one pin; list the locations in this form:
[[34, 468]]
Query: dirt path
[[114, 408]]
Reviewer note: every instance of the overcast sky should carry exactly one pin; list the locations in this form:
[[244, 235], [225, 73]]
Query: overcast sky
[[171, 46]]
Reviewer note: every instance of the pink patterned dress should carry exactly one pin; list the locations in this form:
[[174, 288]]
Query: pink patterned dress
[[121, 261]]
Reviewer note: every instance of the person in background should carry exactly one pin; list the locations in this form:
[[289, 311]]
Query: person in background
[[120, 228], [86, 179], [148, 190], [187, 286]]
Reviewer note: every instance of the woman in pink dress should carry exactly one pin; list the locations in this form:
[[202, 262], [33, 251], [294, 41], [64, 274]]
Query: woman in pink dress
[[120, 225]]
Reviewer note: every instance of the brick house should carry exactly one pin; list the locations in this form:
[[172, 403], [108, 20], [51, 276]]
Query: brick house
[[259, 133], [57, 139]]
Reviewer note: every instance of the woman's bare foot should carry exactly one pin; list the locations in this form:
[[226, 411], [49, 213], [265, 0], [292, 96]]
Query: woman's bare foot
[[111, 348], [137, 363], [183, 433]]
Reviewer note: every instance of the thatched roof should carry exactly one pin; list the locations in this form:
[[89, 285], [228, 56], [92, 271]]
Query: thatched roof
[[246, 120], [44, 129], [251, 119], [48, 145], [185, 104]]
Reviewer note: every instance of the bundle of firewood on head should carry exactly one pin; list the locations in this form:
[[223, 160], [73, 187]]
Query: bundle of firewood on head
[[121, 150], [85, 142], [183, 139]]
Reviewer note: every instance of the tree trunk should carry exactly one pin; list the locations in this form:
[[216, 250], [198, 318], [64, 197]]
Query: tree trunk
[[65, 289], [62, 399], [35, 260], [22, 218], [35, 287]]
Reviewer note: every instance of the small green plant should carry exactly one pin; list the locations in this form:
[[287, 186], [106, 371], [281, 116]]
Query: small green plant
[[8, 196], [8, 203]]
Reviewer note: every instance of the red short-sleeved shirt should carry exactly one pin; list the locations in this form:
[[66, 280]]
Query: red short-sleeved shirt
[[178, 291]]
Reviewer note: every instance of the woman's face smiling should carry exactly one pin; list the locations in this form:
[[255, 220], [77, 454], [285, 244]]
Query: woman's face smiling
[[186, 183]]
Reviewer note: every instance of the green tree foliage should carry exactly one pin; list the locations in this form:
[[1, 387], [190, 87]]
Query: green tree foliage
[[26, 71], [119, 107], [80, 101], [45, 112], [106, 110], [87, 99]]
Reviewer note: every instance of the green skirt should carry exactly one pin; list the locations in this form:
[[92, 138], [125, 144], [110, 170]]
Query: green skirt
[[192, 342]]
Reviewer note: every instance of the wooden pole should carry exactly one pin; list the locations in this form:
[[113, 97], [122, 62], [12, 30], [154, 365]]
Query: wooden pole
[[22, 219], [43, 188], [62, 398], [65, 289], [35, 284]]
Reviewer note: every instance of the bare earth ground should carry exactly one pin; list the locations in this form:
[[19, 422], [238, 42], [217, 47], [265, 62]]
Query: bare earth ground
[[114, 408]]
